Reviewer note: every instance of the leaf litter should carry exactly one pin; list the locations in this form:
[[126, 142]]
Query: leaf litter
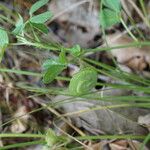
[[75, 22]]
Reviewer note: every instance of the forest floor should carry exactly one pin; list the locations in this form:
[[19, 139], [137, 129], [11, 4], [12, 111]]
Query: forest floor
[[84, 84]]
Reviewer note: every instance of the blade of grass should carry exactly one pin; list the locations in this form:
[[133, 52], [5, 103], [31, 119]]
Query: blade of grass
[[19, 145], [119, 73], [111, 137], [133, 44], [144, 105], [146, 140], [21, 135], [29, 73]]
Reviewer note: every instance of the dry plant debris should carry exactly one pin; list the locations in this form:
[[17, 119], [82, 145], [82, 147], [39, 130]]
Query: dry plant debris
[[76, 22], [137, 59]]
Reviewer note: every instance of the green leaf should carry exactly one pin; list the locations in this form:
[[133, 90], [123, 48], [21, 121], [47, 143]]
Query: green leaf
[[51, 62], [19, 26], [113, 4], [51, 138], [62, 57], [109, 18], [41, 27], [37, 5], [52, 73], [83, 81], [76, 50], [52, 68], [41, 18], [4, 41], [3, 38]]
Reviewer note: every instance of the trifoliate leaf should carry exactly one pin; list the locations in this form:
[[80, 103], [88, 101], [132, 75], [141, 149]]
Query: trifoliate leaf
[[37, 5], [83, 81]]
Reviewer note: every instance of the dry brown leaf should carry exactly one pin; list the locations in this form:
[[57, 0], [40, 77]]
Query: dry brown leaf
[[145, 120], [94, 146], [135, 58], [135, 145], [78, 20], [119, 145], [114, 146], [102, 119], [20, 124]]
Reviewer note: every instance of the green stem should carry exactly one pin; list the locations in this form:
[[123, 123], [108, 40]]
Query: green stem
[[125, 26], [21, 135], [34, 34], [22, 72], [111, 137], [146, 140], [22, 144], [133, 44], [144, 11], [6, 19], [2, 50], [118, 74]]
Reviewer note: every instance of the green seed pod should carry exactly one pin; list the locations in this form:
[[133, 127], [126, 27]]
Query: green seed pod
[[83, 81]]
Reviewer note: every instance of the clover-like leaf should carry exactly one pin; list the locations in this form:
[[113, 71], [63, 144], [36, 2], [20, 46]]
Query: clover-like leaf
[[41, 27], [52, 68], [37, 5], [41, 18], [83, 81]]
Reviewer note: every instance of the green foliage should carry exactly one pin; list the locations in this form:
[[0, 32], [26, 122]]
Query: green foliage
[[37, 5], [108, 18], [53, 67], [115, 5], [4, 41], [41, 18], [19, 26], [111, 15], [36, 21], [41, 27], [62, 57], [53, 140], [83, 81], [75, 50]]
